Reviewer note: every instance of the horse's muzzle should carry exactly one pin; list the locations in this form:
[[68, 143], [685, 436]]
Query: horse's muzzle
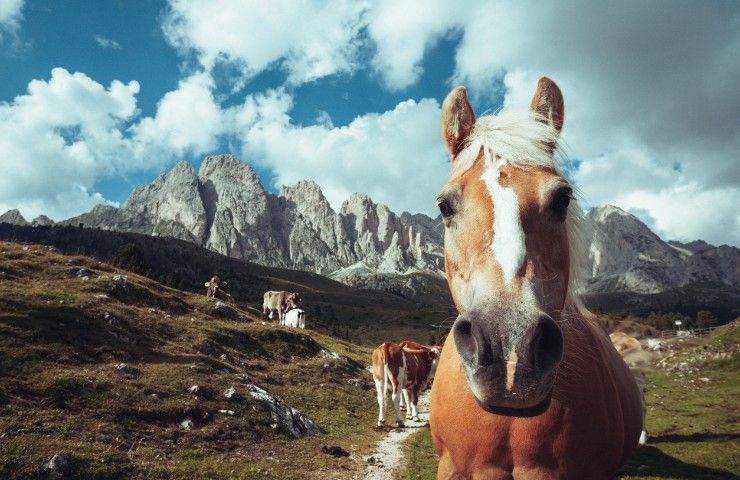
[[510, 365]]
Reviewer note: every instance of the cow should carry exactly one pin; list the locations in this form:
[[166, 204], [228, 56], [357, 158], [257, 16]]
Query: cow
[[635, 357], [411, 345], [215, 290], [279, 301], [405, 372], [296, 318]]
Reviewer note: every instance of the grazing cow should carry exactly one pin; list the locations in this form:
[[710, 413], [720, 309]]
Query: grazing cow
[[215, 290], [279, 301], [296, 318], [405, 372]]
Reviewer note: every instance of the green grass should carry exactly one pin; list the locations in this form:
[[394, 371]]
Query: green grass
[[694, 425], [61, 392]]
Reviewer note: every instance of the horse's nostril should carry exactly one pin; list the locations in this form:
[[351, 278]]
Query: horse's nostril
[[471, 343], [547, 345], [462, 332]]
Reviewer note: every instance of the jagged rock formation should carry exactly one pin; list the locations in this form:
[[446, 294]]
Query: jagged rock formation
[[225, 208], [42, 221], [625, 255], [13, 217]]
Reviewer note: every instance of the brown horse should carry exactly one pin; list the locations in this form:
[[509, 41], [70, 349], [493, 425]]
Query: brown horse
[[528, 385]]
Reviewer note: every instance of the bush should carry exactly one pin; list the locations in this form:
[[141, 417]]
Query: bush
[[705, 319], [130, 257]]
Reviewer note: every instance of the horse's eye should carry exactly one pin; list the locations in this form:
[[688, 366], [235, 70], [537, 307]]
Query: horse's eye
[[445, 209], [560, 202]]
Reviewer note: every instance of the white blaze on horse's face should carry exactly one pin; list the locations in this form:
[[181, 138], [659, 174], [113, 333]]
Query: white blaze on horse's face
[[508, 242]]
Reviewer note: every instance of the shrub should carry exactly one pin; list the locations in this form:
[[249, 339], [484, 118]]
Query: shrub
[[130, 257]]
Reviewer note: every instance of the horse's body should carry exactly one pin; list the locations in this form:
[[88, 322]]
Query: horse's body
[[528, 385]]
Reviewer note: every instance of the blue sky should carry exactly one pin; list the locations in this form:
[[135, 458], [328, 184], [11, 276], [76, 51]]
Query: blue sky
[[98, 97]]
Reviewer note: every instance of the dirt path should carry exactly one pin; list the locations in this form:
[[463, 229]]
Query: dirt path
[[388, 455]]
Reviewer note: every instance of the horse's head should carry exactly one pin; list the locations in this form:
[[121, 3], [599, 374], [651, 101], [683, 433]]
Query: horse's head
[[505, 210]]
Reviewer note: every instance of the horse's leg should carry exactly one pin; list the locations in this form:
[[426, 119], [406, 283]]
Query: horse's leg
[[446, 469]]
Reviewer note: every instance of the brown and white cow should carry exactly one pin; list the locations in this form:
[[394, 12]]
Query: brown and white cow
[[215, 288], [411, 345], [279, 301], [405, 372]]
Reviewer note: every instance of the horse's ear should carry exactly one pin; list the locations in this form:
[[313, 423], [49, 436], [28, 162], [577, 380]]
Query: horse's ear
[[457, 120], [548, 102]]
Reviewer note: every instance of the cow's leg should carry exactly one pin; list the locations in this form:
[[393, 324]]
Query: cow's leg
[[380, 391], [414, 394], [396, 397], [405, 402]]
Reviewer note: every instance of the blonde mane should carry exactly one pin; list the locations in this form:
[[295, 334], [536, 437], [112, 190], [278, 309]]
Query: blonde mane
[[526, 140]]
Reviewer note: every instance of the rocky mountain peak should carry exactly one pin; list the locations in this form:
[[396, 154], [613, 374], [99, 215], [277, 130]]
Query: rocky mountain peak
[[306, 192], [13, 217], [229, 169], [225, 208], [42, 221]]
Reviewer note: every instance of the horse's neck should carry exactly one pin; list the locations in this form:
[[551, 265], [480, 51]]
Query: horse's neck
[[585, 344]]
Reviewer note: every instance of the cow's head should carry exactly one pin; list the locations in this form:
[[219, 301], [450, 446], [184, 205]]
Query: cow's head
[[293, 300]]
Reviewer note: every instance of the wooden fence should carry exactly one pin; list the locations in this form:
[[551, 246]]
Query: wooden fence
[[690, 332]]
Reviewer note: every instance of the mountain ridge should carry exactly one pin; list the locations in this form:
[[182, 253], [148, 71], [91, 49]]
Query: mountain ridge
[[225, 208]]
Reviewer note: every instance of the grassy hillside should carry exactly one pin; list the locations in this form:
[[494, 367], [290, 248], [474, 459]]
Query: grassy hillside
[[334, 308], [64, 335], [693, 396]]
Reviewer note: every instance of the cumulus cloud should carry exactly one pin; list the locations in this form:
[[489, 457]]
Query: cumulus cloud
[[11, 14], [188, 120], [308, 39], [403, 32], [69, 132], [58, 138], [396, 157]]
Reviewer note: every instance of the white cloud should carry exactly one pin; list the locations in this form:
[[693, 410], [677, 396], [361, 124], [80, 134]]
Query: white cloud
[[404, 31], [69, 132], [106, 42], [188, 119], [688, 211], [396, 157], [11, 14], [309, 39], [58, 138]]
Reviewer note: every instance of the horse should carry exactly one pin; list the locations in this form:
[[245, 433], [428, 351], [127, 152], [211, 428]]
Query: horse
[[528, 383]]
